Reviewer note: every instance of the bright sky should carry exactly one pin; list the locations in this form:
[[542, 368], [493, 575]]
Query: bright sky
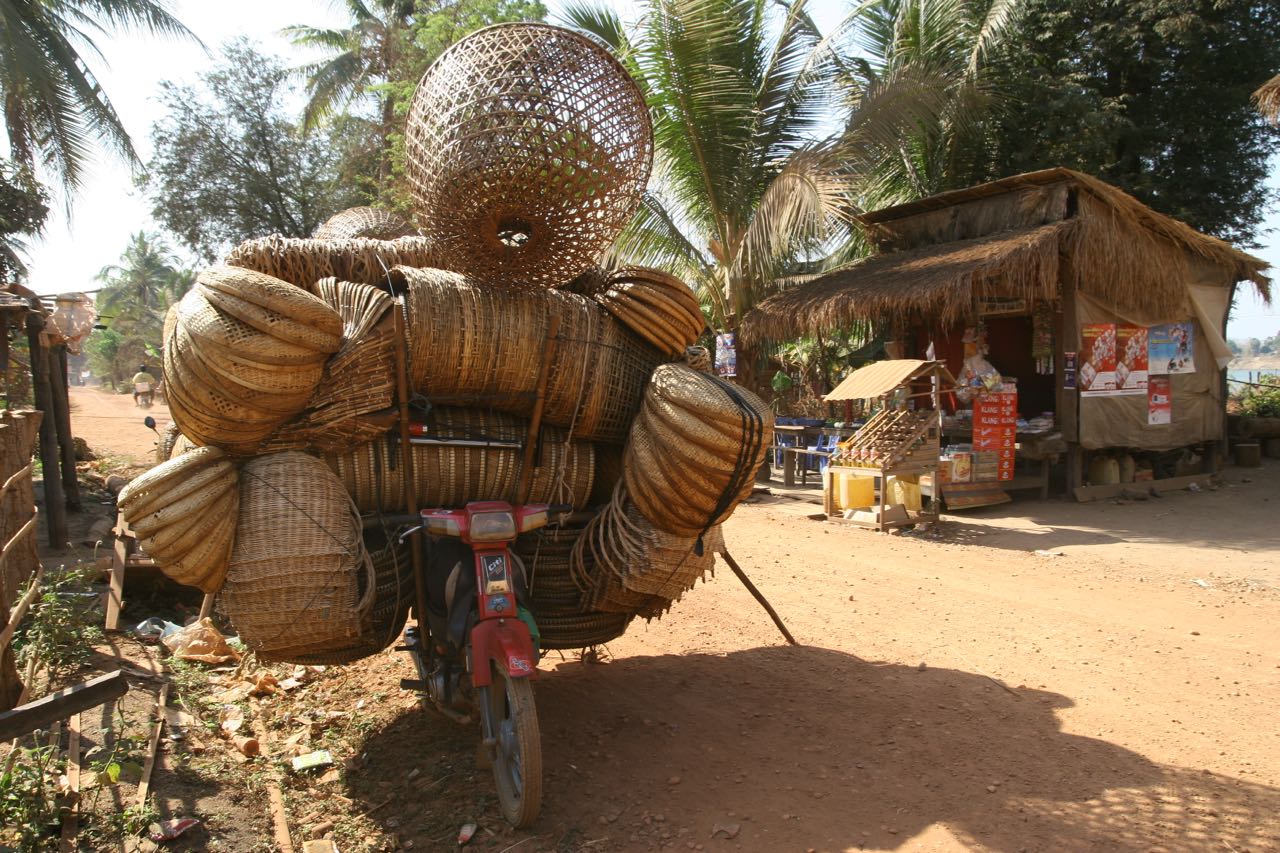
[[110, 209]]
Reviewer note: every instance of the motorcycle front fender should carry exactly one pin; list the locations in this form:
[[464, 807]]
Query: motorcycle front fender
[[505, 643]]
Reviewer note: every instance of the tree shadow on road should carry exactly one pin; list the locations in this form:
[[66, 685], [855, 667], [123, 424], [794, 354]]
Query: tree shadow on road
[[812, 748]]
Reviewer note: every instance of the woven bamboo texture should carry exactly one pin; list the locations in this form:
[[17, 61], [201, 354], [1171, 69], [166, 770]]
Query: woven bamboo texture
[[472, 345], [300, 580], [626, 565], [694, 450], [450, 476], [528, 149], [304, 262], [658, 307], [357, 381], [369, 222], [184, 513]]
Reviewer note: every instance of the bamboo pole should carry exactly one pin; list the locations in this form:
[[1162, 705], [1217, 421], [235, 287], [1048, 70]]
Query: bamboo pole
[[406, 465], [62, 422], [54, 499]]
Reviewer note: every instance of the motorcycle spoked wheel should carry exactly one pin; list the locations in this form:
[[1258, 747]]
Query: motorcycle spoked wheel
[[509, 713]]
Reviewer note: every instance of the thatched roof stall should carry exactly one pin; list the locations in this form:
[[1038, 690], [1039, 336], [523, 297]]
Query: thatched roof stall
[[1268, 99], [1054, 241]]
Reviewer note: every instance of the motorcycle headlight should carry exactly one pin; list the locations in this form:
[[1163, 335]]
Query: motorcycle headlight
[[493, 527]]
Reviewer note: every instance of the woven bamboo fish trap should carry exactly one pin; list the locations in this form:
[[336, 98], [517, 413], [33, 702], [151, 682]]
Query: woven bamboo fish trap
[[528, 149], [658, 307], [303, 262], [300, 581], [393, 595], [357, 381], [471, 345], [450, 475], [626, 565], [184, 513], [243, 354], [369, 222], [694, 450]]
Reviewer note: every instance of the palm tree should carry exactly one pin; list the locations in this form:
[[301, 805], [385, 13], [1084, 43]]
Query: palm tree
[[362, 57], [951, 41], [148, 279], [753, 180], [54, 107]]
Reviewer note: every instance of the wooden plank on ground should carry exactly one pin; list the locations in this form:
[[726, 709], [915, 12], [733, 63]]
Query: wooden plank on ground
[[144, 786], [58, 706], [1085, 494], [71, 822], [275, 798]]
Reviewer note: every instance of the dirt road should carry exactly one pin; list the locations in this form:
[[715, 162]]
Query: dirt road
[[952, 692], [112, 424]]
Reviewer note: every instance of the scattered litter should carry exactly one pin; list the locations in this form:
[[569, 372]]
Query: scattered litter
[[248, 746], [265, 684], [230, 720], [1194, 487], [330, 776], [465, 834], [1046, 553], [167, 830], [730, 830], [1202, 583], [155, 629], [323, 845], [200, 642], [312, 760]]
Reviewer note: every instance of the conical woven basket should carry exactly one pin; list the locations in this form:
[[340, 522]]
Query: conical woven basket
[[694, 450], [371, 222], [304, 262], [300, 579], [528, 149], [658, 307]]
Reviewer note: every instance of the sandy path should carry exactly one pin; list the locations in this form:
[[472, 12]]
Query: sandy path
[[112, 424]]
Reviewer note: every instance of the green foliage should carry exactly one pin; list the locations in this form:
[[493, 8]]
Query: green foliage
[[61, 627], [54, 107], [230, 164], [24, 206], [1262, 402], [1150, 95], [27, 801]]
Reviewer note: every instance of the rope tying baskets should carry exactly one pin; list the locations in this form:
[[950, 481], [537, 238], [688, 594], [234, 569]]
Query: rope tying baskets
[[304, 262], [242, 354], [473, 345], [528, 149], [694, 450], [184, 512], [300, 580], [658, 307], [371, 222], [462, 468]]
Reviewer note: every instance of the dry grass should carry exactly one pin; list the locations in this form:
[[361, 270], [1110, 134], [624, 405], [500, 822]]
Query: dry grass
[[1268, 99]]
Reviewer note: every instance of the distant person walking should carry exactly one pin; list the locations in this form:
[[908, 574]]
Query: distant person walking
[[143, 384]]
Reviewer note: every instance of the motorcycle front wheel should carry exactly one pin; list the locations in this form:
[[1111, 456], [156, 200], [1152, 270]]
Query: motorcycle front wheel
[[512, 718]]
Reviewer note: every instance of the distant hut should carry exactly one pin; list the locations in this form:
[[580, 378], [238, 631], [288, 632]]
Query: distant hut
[[1042, 262]]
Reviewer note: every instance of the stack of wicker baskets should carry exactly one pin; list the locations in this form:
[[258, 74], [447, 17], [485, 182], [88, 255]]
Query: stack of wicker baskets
[[184, 513], [658, 307], [364, 222]]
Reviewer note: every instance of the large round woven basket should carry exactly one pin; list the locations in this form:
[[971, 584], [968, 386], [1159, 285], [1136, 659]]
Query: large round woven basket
[[371, 222], [658, 307], [300, 581], [694, 450], [450, 475], [303, 262], [528, 149], [471, 345]]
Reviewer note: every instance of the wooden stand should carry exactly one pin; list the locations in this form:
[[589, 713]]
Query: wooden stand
[[126, 555], [907, 445]]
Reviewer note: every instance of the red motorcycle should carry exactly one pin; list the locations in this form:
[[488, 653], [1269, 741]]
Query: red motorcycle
[[480, 644]]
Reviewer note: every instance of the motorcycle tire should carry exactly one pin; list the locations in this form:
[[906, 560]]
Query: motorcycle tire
[[510, 714]]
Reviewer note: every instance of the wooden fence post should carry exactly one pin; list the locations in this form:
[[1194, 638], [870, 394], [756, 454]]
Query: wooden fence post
[[62, 420], [54, 501]]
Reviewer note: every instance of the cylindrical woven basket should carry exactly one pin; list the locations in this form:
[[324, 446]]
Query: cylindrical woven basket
[[529, 147], [370, 222], [304, 262], [692, 454], [658, 307], [294, 585], [452, 475], [476, 346]]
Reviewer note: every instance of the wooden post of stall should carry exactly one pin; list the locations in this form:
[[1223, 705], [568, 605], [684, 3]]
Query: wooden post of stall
[[406, 463], [525, 482], [62, 421], [1069, 398], [54, 499]]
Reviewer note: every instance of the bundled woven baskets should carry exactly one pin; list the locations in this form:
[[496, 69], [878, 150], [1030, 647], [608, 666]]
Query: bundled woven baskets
[[451, 474], [304, 262], [658, 307], [694, 450], [242, 355], [184, 514], [476, 346], [528, 149], [300, 582], [369, 222]]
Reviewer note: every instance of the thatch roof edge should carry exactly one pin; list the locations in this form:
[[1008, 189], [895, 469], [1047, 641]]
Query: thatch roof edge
[[1268, 100]]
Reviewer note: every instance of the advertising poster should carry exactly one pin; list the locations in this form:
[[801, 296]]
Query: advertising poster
[[1131, 358], [1171, 348], [1069, 366], [1098, 360], [726, 355], [995, 440], [1159, 401]]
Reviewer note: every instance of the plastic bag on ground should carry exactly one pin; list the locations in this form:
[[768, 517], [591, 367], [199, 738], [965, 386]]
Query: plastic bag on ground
[[201, 641]]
